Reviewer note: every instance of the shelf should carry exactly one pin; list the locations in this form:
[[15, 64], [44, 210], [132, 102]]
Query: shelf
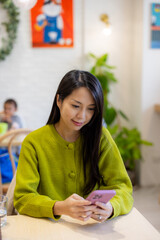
[[157, 108]]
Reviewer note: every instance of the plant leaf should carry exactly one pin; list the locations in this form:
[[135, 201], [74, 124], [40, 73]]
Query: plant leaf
[[146, 143], [110, 115], [123, 115], [92, 55]]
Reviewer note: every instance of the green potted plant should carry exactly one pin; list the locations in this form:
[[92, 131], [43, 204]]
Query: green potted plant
[[129, 141]]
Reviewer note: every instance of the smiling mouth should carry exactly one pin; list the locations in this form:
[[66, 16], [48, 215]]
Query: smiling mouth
[[77, 123]]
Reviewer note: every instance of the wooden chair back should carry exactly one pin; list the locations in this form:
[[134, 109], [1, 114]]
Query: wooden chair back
[[9, 140]]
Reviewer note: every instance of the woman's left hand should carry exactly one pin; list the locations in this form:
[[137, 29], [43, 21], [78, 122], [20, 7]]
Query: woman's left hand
[[102, 212]]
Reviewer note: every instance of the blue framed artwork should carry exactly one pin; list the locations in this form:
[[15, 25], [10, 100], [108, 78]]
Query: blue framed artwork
[[155, 25]]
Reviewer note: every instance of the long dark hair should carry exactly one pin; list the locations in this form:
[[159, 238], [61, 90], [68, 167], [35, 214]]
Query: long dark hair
[[92, 131]]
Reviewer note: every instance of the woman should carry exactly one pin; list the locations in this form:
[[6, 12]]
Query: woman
[[62, 162]]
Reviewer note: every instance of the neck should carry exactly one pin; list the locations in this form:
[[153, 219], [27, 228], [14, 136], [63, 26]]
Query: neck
[[69, 136]]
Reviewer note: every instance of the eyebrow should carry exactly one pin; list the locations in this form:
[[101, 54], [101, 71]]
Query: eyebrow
[[93, 104]]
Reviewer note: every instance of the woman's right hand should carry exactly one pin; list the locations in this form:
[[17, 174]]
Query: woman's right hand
[[74, 206]]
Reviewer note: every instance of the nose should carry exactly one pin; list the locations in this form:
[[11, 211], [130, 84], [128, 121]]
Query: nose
[[81, 114]]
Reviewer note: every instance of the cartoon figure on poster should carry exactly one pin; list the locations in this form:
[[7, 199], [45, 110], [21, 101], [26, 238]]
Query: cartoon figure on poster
[[155, 25], [51, 22], [155, 14]]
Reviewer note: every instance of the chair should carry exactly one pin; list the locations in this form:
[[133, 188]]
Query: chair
[[10, 140], [10, 195]]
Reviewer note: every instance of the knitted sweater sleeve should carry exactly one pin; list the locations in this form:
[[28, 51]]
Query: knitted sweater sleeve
[[115, 176], [27, 200]]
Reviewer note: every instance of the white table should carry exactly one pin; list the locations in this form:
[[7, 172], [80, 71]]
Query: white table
[[130, 227]]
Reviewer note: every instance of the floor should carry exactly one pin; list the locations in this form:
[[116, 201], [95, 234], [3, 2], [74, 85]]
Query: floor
[[146, 200]]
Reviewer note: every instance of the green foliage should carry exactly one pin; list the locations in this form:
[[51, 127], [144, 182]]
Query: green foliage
[[104, 73], [128, 140], [109, 114], [10, 27]]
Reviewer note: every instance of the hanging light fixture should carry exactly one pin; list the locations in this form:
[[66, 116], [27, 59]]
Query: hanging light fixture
[[25, 4], [108, 29]]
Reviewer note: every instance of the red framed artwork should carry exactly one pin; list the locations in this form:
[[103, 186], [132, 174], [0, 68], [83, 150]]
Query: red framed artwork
[[52, 23]]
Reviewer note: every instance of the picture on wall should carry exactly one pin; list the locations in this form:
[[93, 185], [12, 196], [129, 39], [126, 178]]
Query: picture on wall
[[52, 23], [155, 25]]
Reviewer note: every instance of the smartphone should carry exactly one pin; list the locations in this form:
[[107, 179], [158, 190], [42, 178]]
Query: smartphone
[[101, 196]]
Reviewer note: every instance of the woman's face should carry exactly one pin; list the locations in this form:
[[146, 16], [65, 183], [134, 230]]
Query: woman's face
[[77, 109]]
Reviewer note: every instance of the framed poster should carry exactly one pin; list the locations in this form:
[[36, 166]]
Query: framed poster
[[155, 25], [52, 23]]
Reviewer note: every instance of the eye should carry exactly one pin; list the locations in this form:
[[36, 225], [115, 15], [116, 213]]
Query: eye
[[91, 109], [75, 106]]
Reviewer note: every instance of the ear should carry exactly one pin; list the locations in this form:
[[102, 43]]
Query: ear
[[59, 102]]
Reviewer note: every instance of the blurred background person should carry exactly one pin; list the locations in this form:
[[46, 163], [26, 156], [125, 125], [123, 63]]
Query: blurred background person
[[9, 116]]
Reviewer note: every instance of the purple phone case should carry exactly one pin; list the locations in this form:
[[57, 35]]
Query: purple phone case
[[101, 196]]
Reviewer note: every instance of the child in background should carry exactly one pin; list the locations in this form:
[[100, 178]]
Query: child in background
[[14, 122], [8, 115]]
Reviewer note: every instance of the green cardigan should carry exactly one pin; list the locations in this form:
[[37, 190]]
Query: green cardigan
[[50, 169]]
